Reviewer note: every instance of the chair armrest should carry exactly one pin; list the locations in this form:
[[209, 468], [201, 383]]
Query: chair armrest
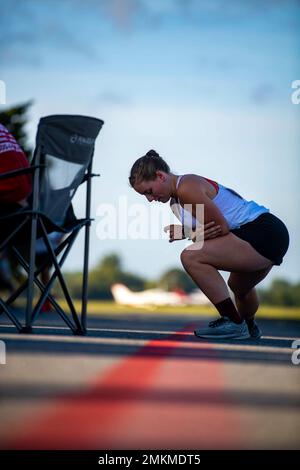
[[87, 176], [21, 171]]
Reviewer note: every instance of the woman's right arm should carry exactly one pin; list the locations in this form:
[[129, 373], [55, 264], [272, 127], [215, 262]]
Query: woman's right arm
[[192, 193]]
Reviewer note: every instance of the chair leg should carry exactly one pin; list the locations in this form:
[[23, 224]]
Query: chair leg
[[61, 280], [42, 288], [34, 221], [85, 277], [86, 250], [31, 275], [11, 316], [26, 330]]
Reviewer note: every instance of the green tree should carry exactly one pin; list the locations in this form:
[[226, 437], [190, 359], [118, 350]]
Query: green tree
[[110, 271], [15, 120], [295, 294], [176, 279], [281, 292]]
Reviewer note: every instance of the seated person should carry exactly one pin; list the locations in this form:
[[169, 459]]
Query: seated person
[[13, 191]]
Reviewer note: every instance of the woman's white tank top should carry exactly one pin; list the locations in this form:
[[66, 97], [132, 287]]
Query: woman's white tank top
[[235, 209]]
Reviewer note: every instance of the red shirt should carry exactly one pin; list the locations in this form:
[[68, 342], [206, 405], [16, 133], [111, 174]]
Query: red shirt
[[12, 157]]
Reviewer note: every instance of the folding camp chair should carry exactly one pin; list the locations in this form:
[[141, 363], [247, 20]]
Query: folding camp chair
[[62, 161]]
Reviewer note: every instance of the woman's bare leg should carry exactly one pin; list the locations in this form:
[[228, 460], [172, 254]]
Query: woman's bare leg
[[248, 304], [227, 253], [209, 280], [245, 295]]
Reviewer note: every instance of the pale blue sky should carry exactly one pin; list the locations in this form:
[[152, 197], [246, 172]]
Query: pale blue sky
[[205, 83]]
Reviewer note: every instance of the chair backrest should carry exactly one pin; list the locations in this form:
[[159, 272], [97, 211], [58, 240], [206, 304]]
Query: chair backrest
[[65, 144]]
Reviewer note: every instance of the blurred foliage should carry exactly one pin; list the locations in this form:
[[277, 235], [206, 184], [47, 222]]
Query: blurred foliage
[[109, 271], [281, 292], [176, 279], [15, 120]]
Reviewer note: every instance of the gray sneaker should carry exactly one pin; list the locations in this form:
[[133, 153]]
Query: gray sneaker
[[224, 328], [253, 328]]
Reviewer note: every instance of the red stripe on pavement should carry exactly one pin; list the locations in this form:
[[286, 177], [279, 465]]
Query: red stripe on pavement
[[159, 397]]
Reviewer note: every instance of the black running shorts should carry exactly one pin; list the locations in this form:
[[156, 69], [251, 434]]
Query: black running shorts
[[268, 235]]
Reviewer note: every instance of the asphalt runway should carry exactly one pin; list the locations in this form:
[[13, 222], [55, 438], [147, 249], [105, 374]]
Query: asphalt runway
[[146, 382]]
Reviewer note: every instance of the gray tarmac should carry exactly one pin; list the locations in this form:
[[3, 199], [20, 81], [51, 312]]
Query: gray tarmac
[[140, 381]]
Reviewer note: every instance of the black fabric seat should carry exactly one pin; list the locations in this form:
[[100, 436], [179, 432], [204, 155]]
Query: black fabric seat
[[62, 162]]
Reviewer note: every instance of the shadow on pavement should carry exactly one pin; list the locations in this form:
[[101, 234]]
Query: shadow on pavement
[[122, 335]]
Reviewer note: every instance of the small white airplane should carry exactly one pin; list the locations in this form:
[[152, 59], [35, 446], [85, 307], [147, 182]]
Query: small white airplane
[[124, 296]]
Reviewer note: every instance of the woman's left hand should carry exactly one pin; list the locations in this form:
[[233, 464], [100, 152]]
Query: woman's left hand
[[176, 232], [209, 231]]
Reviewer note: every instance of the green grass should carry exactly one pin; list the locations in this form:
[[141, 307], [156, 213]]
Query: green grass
[[100, 308], [97, 307]]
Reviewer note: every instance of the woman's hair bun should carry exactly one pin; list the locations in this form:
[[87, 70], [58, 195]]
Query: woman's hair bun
[[152, 153], [145, 168]]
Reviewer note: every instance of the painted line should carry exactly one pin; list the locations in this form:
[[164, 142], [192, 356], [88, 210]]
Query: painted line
[[201, 344], [129, 408]]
